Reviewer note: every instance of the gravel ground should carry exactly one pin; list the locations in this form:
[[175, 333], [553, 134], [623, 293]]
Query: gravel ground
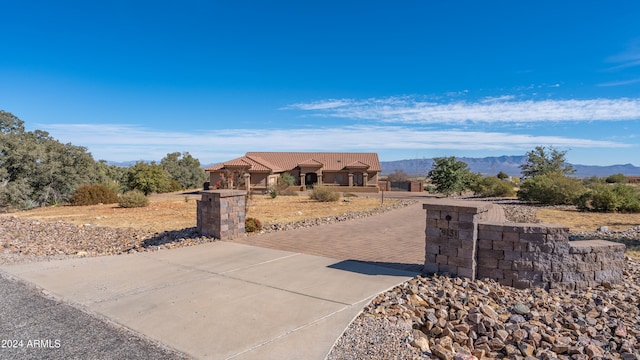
[[453, 318]]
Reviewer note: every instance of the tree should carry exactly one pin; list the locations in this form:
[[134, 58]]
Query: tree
[[148, 178], [449, 175], [185, 169], [502, 175], [542, 161], [37, 170], [397, 176]]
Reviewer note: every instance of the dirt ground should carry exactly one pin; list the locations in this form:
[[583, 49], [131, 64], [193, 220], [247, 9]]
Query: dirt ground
[[587, 221], [167, 212], [176, 211]]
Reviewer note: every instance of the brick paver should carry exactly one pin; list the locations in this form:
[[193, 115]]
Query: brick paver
[[392, 239]]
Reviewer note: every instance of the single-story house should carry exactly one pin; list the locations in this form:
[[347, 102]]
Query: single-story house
[[260, 170]]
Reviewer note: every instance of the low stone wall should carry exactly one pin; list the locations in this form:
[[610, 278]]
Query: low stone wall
[[472, 239], [221, 213]]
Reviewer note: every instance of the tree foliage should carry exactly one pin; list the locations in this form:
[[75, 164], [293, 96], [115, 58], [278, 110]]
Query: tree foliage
[[609, 197], [449, 175], [551, 189], [542, 161], [148, 178], [37, 170], [491, 186], [185, 169]]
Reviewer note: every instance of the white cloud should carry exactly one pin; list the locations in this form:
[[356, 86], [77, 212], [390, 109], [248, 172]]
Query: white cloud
[[620, 83], [127, 142], [493, 110]]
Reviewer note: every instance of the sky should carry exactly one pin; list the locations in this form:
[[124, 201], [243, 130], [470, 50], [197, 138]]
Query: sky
[[136, 80]]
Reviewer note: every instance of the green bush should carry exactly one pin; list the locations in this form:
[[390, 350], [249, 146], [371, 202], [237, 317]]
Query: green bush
[[172, 186], [324, 194], [609, 198], [93, 195], [492, 186], [616, 179], [551, 189], [273, 192], [133, 198], [252, 225]]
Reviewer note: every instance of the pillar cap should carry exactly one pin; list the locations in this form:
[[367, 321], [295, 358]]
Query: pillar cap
[[225, 192]]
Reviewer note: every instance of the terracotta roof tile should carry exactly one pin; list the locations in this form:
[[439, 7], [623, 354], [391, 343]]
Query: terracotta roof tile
[[332, 161], [283, 161]]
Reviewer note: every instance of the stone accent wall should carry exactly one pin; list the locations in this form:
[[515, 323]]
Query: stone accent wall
[[472, 239], [221, 213]]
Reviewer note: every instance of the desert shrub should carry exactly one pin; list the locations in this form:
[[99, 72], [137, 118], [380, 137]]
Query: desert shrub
[[133, 198], [592, 181], [286, 179], [324, 194], [252, 225], [273, 192], [616, 179], [550, 189], [288, 192], [93, 195], [608, 198], [172, 186], [492, 186]]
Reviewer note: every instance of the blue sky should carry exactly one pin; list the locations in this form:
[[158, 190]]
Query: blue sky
[[133, 80]]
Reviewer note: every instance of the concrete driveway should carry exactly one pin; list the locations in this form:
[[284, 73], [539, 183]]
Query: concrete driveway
[[221, 300]]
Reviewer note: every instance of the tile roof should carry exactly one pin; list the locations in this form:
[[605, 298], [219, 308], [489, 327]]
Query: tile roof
[[282, 161], [332, 161]]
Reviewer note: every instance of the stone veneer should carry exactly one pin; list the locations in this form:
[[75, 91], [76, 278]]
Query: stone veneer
[[472, 239], [221, 213]]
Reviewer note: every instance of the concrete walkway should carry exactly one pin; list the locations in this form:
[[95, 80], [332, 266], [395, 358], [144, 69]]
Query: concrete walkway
[[289, 297]]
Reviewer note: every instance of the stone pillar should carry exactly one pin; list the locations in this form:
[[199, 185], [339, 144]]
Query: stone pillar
[[365, 178], [451, 236], [302, 179], [319, 179], [247, 182], [350, 179], [221, 213]]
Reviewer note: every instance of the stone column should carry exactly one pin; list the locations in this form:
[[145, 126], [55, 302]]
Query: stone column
[[302, 179], [221, 213], [247, 182], [451, 236], [365, 178], [350, 179], [319, 179]]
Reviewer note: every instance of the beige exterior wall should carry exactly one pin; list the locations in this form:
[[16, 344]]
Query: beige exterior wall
[[264, 181]]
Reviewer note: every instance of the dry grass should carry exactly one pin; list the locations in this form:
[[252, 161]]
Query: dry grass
[[168, 212], [587, 221]]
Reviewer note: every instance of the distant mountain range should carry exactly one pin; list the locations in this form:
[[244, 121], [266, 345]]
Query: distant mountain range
[[507, 164]]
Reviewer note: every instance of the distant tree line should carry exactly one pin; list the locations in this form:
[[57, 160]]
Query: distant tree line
[[38, 170], [546, 180]]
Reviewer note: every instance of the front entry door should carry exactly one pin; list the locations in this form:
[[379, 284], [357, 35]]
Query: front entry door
[[310, 179]]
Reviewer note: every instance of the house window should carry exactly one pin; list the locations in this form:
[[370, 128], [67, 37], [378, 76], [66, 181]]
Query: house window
[[340, 178]]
